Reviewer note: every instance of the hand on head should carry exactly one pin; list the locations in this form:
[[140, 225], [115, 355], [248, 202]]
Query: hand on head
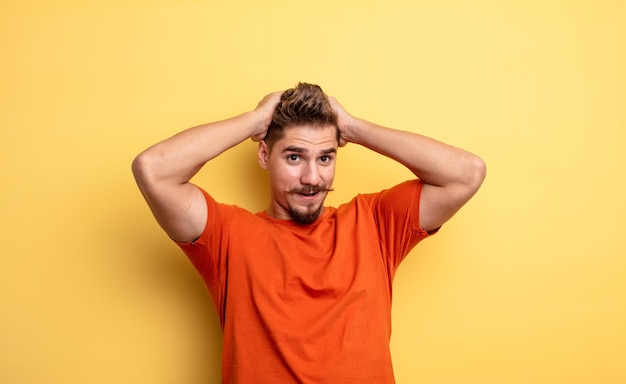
[[344, 120], [266, 107], [265, 110]]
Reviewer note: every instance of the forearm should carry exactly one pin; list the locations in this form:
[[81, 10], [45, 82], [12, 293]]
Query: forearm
[[177, 159], [434, 162]]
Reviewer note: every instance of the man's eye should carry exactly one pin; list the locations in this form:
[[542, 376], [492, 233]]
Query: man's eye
[[325, 159], [293, 157]]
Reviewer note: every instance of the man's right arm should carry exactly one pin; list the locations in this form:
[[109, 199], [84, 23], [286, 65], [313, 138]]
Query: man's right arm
[[163, 171]]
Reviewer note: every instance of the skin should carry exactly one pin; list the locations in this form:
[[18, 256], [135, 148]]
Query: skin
[[301, 170], [451, 175]]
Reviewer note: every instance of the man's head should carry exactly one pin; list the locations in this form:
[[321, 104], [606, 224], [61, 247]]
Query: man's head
[[299, 152], [305, 104]]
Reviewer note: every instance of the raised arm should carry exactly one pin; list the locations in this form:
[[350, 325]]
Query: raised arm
[[451, 175], [163, 171]]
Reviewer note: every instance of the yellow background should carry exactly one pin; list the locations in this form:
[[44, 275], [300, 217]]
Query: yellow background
[[525, 285]]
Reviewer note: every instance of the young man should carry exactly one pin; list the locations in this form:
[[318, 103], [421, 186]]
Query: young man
[[303, 291]]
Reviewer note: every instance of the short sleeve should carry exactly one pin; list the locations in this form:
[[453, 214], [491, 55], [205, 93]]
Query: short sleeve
[[208, 253], [397, 211]]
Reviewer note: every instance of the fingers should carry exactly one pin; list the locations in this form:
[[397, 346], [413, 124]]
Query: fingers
[[343, 120], [267, 105], [270, 101], [259, 136], [265, 110]]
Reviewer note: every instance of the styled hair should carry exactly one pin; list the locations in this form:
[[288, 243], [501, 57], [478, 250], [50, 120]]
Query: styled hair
[[305, 104]]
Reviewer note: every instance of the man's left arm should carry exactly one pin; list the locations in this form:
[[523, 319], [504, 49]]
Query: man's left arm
[[451, 175]]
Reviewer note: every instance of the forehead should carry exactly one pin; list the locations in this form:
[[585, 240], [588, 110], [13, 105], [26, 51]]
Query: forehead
[[308, 137]]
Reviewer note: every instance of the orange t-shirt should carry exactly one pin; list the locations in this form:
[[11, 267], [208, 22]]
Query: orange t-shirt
[[308, 303]]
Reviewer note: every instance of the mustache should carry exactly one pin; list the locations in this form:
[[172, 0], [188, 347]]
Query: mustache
[[310, 189]]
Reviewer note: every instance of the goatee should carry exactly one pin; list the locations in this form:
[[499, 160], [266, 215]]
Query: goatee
[[307, 217]]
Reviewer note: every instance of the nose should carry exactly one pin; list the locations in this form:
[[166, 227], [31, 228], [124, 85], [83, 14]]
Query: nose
[[311, 174]]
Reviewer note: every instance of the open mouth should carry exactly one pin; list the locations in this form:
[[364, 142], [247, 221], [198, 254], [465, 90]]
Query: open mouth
[[308, 195], [311, 192]]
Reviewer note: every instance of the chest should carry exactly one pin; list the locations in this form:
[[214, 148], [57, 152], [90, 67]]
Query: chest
[[323, 263]]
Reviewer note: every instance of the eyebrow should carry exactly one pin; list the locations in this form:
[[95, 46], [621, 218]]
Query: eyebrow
[[304, 150], [294, 149]]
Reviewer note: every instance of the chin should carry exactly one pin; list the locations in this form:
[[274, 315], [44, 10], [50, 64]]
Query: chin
[[307, 217]]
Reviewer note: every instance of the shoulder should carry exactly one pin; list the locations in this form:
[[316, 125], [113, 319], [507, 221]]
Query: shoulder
[[399, 204], [221, 218], [407, 192]]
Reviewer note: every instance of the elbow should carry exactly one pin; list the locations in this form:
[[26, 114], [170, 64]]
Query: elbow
[[476, 173], [142, 169], [138, 166]]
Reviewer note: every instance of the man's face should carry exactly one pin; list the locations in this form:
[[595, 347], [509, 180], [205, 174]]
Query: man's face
[[301, 169]]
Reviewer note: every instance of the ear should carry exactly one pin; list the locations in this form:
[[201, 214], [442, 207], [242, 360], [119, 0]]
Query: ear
[[263, 154]]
